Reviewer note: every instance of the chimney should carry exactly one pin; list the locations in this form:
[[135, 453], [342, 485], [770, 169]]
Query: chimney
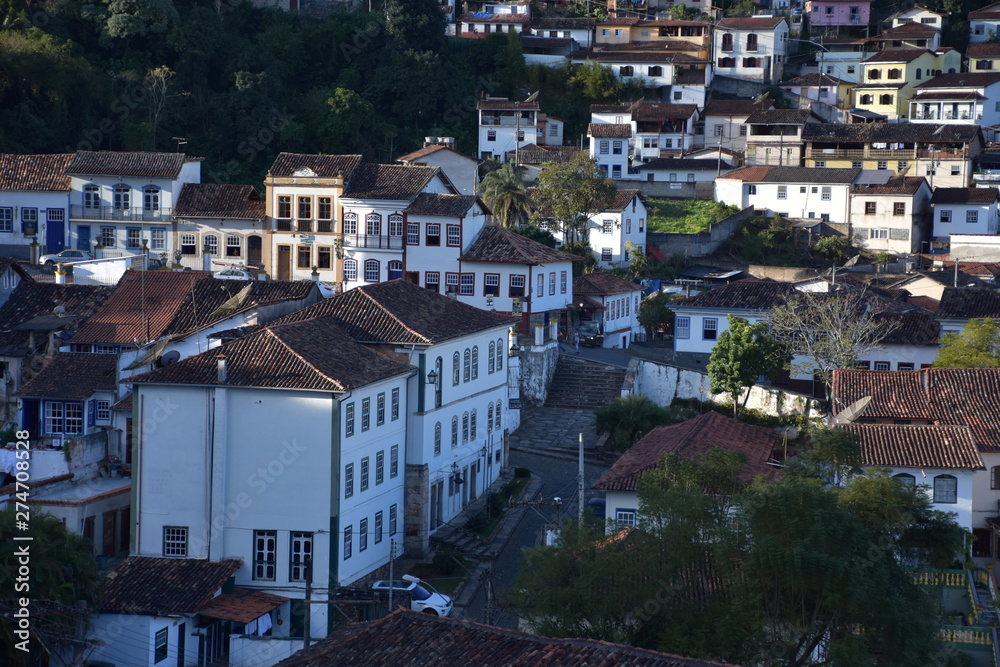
[[206, 260], [221, 365], [60, 275]]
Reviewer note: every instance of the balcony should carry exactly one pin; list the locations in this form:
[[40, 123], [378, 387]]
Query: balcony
[[506, 121], [882, 154], [161, 214], [77, 454], [373, 242]]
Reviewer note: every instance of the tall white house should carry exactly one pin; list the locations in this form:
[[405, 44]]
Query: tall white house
[[752, 48], [505, 125]]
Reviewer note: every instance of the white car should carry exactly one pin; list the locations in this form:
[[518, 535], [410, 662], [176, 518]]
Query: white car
[[233, 274], [436, 604], [65, 257]]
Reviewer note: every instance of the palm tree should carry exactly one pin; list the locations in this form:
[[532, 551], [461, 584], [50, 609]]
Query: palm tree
[[506, 193]]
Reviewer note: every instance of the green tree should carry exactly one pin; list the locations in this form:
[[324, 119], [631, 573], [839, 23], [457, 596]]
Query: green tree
[[834, 454], [415, 24], [572, 192], [837, 249], [63, 586], [655, 315], [506, 193], [538, 234], [131, 20], [742, 8], [743, 353], [637, 261], [978, 346], [627, 419], [596, 82]]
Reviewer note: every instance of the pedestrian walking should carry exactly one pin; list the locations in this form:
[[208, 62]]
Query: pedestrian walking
[[576, 341]]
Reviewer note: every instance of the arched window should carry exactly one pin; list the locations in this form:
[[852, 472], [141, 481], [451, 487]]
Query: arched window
[[946, 489], [475, 362], [373, 224], [395, 225], [91, 196], [350, 270], [500, 355], [465, 427], [472, 426], [467, 366], [920, 74], [905, 479], [489, 419], [439, 367], [395, 269], [885, 99], [151, 198], [437, 439], [371, 271], [874, 74], [496, 417], [122, 197], [456, 368], [491, 363], [727, 41], [895, 73], [454, 432], [350, 223], [866, 99]]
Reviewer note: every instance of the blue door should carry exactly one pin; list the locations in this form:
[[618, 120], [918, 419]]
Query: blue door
[[83, 237], [55, 234]]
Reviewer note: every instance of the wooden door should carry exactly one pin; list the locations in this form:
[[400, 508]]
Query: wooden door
[[284, 262]]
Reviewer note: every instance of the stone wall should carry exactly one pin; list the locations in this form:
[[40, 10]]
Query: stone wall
[[675, 190], [538, 366], [784, 274], [663, 383], [416, 540], [703, 244]]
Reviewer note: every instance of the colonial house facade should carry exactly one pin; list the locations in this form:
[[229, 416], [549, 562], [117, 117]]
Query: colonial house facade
[[984, 24], [892, 217], [612, 304], [219, 222], [751, 48], [505, 125], [793, 192], [34, 204], [959, 211]]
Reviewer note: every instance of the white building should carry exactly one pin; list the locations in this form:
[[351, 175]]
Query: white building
[[725, 123], [34, 204], [965, 211], [959, 97], [225, 222], [791, 192], [504, 125], [622, 222], [123, 201], [654, 68], [751, 48], [892, 215], [610, 145], [579, 29], [612, 304], [984, 24], [461, 170]]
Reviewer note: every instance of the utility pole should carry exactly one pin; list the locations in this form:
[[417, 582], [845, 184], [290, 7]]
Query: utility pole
[[392, 564], [579, 509], [307, 620]]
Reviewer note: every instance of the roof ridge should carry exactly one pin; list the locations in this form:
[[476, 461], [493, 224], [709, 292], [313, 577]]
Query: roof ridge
[[394, 317], [298, 356]]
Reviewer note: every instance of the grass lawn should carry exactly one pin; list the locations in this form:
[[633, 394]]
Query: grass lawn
[[685, 216]]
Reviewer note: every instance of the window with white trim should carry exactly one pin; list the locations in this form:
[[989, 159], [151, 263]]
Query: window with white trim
[[972, 216], [189, 244], [133, 238], [372, 270], [161, 645], [348, 541], [158, 238], [392, 520], [265, 549], [454, 235], [175, 541], [393, 461], [946, 489], [363, 534], [433, 234], [412, 233], [467, 286], [300, 557], [348, 480], [682, 326], [625, 518], [350, 270], [378, 527], [709, 328], [491, 284], [394, 405]]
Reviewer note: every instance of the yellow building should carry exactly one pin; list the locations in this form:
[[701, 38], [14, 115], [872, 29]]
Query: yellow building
[[983, 57], [888, 78]]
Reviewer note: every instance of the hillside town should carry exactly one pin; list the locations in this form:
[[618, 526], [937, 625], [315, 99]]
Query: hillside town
[[635, 332]]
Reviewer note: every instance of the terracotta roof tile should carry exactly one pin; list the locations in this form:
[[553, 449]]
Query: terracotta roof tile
[[983, 50], [891, 132], [219, 200], [452, 206], [35, 172], [811, 175], [505, 105], [814, 79], [31, 301], [536, 154], [242, 605], [600, 283], [961, 79], [915, 327], [312, 355], [658, 112], [121, 163], [324, 166], [899, 446], [73, 375], [145, 585], [398, 312], [748, 174], [633, 56], [901, 185], [989, 12], [407, 639], [734, 107], [944, 396], [498, 244], [780, 117], [909, 31], [691, 439], [210, 300], [388, 181], [965, 195], [752, 22], [968, 302], [609, 131], [623, 198], [608, 108], [896, 56], [748, 294]]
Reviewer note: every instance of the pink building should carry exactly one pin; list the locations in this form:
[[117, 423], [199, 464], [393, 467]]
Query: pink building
[[830, 13]]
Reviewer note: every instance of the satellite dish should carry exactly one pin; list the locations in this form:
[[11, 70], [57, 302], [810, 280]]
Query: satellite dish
[[852, 261], [170, 357], [532, 97], [852, 411], [59, 310]]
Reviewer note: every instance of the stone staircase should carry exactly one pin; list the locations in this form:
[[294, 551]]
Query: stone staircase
[[583, 384]]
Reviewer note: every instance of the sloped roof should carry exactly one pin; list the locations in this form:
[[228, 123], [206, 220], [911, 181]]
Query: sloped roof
[[608, 108], [968, 303], [562, 23], [407, 639], [242, 605], [388, 181], [600, 283], [73, 375], [900, 446], [987, 13], [219, 200], [989, 50], [499, 244], [623, 198], [452, 206], [681, 163], [899, 185], [610, 130], [127, 163], [747, 174], [312, 355], [794, 175], [752, 22], [891, 132], [210, 300], [506, 105], [944, 396], [634, 56], [915, 327], [324, 166], [400, 313], [146, 585], [960, 79], [780, 117], [734, 107], [747, 294], [909, 31], [536, 154], [691, 439], [31, 300], [35, 172], [814, 79], [659, 112], [896, 56], [965, 195]]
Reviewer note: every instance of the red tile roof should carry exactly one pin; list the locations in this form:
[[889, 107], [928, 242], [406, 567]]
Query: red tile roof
[[748, 174], [388, 181], [600, 283], [33, 304], [989, 12], [499, 244], [408, 639], [609, 131], [900, 185], [147, 585], [899, 446], [752, 22], [910, 31], [968, 302], [219, 200], [35, 172], [691, 439], [983, 50], [896, 56], [734, 107], [242, 605], [505, 105], [623, 199], [73, 375], [814, 79], [324, 166], [451, 206], [747, 294], [659, 112], [960, 79], [944, 396], [965, 195], [122, 163], [141, 308]]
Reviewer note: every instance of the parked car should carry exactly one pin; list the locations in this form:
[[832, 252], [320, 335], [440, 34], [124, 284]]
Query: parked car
[[436, 604], [65, 257], [590, 337], [233, 274]]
